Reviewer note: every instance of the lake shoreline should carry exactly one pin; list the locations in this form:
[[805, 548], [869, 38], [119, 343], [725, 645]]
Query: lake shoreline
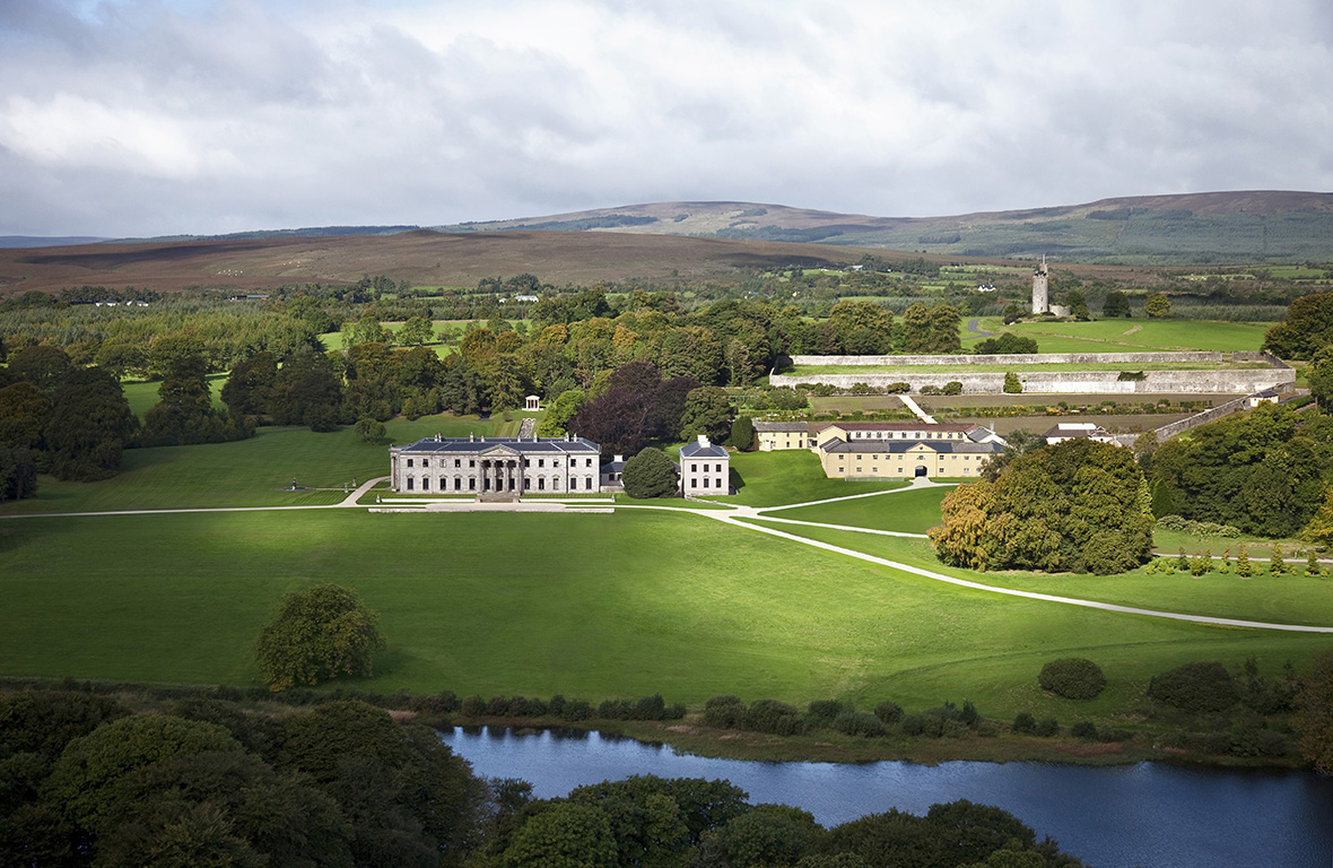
[[692, 738]]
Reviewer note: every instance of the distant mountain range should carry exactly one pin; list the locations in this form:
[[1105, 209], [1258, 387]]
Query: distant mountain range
[[1253, 226], [1244, 226]]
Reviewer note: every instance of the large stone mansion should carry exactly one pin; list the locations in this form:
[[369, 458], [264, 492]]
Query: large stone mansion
[[496, 466], [506, 468]]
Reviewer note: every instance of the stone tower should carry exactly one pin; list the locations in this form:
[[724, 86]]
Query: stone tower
[[1041, 301]]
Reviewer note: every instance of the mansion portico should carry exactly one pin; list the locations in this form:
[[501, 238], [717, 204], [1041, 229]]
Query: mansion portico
[[496, 466]]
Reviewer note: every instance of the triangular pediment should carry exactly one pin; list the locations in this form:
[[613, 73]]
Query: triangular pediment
[[499, 450]]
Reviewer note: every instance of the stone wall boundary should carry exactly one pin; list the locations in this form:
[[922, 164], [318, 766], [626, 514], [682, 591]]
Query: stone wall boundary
[[1066, 382], [1128, 359]]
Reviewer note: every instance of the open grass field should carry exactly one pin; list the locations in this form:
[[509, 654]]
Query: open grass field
[[619, 605], [1129, 335]]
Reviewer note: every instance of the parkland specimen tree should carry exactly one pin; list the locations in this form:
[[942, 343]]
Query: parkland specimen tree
[[1077, 506], [651, 473], [319, 633]]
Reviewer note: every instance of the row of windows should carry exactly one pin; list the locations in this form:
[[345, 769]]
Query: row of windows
[[695, 467], [527, 462], [694, 483], [904, 435], [443, 484], [918, 456]]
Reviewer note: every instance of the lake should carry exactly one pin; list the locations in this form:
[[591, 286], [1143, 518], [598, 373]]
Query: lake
[[1109, 816]]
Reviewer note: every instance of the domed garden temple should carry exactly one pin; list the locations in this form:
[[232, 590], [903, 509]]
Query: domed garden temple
[[496, 467]]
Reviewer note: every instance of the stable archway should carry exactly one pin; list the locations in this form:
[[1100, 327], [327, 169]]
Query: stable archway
[[921, 471]]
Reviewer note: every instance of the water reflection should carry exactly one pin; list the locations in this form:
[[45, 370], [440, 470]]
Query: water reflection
[[1143, 814]]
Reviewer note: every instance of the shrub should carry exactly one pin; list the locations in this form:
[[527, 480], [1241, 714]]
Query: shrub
[[498, 706], [725, 711], [859, 723], [825, 710], [889, 711], [898, 388], [1109, 735], [1084, 729], [766, 715], [614, 709], [1195, 687], [577, 709], [474, 706], [1072, 678], [914, 724], [648, 708], [1024, 722], [442, 703], [953, 387], [1046, 728]]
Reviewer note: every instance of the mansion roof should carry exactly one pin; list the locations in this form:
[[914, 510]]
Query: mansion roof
[[523, 446]]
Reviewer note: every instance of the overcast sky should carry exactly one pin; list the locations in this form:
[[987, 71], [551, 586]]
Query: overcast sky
[[147, 117]]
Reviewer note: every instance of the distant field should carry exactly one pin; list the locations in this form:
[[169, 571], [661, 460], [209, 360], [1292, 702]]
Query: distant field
[[1130, 335]]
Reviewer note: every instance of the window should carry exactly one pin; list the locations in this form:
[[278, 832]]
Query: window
[[472, 462], [589, 485], [587, 462], [705, 482], [541, 462], [425, 483], [472, 484], [458, 462], [409, 483], [458, 484], [555, 484], [719, 468], [409, 462], [425, 462], [694, 483], [555, 462]]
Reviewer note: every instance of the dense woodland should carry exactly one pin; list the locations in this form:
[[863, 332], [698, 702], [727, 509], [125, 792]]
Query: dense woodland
[[86, 781]]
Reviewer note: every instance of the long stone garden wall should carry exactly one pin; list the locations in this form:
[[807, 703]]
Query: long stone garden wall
[[1232, 381], [1028, 367], [1036, 359]]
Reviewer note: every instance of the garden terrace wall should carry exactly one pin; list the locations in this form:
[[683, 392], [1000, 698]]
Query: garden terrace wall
[[1129, 359], [1231, 381]]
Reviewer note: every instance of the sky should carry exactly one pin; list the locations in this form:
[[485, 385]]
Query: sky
[[152, 117]]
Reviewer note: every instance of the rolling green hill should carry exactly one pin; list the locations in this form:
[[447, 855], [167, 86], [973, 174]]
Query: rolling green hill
[[1246, 226]]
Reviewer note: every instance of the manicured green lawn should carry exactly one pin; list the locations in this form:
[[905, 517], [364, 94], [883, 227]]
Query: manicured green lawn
[[595, 606], [1287, 599], [789, 476], [628, 604], [911, 511]]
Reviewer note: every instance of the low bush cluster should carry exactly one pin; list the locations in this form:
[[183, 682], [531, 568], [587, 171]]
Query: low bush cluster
[[1197, 528], [728, 711], [1072, 678], [572, 710], [1195, 687]]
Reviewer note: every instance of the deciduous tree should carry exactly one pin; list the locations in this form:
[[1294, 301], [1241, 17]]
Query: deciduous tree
[[319, 633]]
